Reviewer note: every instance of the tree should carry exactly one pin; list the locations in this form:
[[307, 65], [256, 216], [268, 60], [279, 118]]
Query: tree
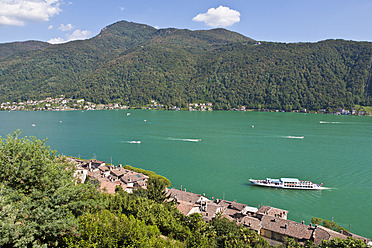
[[343, 243], [229, 234], [156, 190], [106, 229], [39, 201], [316, 220], [330, 224], [201, 237]]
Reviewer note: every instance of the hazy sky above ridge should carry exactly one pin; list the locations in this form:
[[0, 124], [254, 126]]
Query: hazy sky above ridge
[[58, 21]]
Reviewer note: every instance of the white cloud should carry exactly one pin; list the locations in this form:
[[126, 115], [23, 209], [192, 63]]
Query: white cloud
[[67, 27], [122, 8], [218, 17], [79, 35], [76, 35], [19, 12], [58, 40], [50, 27]]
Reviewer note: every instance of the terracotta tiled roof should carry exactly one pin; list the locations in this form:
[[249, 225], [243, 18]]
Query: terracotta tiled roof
[[209, 210], [289, 228], [119, 171], [103, 168], [238, 206], [185, 207], [251, 223], [322, 233], [107, 185], [228, 217], [94, 174], [232, 205], [230, 212], [271, 211], [180, 195], [349, 234], [133, 177], [96, 161]]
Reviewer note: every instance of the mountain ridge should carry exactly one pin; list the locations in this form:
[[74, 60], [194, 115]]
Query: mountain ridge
[[136, 63]]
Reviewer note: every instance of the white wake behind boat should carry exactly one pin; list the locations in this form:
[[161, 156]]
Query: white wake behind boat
[[286, 183]]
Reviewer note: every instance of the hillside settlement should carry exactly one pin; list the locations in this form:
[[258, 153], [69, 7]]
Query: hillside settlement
[[269, 222]]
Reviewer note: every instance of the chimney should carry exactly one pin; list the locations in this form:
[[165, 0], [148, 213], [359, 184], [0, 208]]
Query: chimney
[[303, 222], [120, 165], [286, 226], [310, 225]]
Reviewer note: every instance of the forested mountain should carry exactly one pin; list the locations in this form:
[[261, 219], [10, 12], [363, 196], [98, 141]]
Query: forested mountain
[[17, 48], [134, 63]]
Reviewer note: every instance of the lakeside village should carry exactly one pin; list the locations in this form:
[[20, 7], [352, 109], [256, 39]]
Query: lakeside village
[[67, 104], [269, 222]]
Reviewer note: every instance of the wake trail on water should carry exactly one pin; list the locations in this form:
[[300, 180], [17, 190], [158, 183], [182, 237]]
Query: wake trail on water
[[293, 137], [131, 141], [186, 140], [329, 122], [339, 122], [327, 188]]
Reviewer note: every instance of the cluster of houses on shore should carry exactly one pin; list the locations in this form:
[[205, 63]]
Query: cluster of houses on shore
[[65, 104], [57, 104], [339, 111], [108, 176], [200, 106], [269, 222], [191, 106]]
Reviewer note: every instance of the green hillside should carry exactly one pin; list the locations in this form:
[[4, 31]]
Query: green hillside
[[134, 63], [17, 48]]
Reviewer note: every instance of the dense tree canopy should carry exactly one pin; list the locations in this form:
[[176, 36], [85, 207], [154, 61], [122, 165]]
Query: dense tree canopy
[[133, 64], [39, 199]]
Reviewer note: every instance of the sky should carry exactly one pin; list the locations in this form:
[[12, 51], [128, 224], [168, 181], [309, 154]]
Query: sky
[[59, 21]]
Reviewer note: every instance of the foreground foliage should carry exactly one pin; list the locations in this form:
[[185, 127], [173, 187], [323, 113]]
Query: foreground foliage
[[105, 229], [39, 200]]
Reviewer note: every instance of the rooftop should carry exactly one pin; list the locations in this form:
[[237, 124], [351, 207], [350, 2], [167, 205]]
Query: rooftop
[[185, 196], [290, 228]]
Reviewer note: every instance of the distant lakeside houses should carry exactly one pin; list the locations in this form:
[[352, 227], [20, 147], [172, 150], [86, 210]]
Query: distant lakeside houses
[[57, 104], [67, 104], [269, 222]]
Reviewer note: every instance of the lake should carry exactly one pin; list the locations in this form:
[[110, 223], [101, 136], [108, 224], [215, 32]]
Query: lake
[[216, 153]]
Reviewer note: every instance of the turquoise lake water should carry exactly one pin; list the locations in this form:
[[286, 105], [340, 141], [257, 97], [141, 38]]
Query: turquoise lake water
[[216, 153]]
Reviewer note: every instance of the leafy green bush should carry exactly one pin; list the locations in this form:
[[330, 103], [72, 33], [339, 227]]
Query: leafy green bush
[[151, 174]]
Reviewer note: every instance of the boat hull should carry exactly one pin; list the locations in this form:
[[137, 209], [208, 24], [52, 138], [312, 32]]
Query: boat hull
[[276, 183]]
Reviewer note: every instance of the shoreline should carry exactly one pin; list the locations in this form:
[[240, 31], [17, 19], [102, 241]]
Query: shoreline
[[185, 110], [68, 104]]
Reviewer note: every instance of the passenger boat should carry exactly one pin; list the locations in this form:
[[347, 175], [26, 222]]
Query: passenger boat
[[286, 183]]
